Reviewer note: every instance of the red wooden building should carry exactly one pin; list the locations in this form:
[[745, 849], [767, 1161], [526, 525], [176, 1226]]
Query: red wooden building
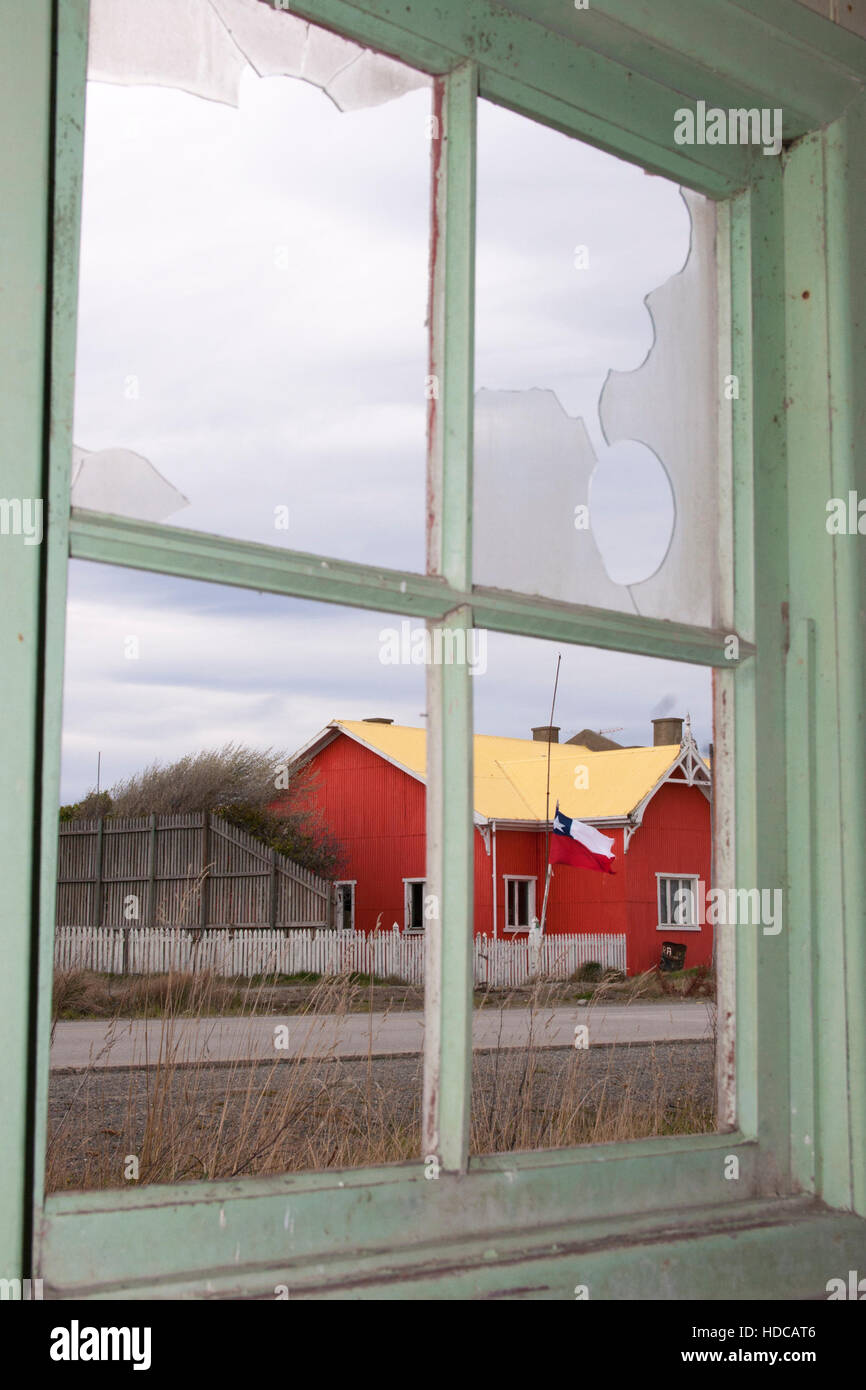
[[369, 788]]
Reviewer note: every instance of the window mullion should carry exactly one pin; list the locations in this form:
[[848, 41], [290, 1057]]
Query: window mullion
[[452, 326], [25, 105], [68, 158], [449, 979], [763, 1020]]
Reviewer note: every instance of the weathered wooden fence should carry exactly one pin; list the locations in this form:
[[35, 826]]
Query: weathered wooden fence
[[253, 951], [181, 871]]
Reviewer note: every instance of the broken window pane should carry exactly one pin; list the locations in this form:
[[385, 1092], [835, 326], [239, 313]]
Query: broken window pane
[[596, 424], [117, 480], [252, 349], [204, 46]]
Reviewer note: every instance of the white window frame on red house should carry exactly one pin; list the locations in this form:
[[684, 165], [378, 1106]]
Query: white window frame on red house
[[531, 900], [680, 878], [407, 906]]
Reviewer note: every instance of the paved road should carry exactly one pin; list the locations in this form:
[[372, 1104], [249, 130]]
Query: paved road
[[136, 1042]]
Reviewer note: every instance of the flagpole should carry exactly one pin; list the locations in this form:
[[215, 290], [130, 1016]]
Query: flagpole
[[547, 803], [546, 891], [549, 728]]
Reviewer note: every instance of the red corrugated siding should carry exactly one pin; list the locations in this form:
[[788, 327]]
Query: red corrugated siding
[[483, 888], [674, 838], [378, 813], [580, 900]]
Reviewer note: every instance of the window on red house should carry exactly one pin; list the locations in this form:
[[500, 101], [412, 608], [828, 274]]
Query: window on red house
[[414, 904], [346, 906], [678, 902], [519, 903]]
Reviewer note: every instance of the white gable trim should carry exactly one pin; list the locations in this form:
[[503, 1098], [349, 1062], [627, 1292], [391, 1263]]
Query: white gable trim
[[316, 744], [401, 767]]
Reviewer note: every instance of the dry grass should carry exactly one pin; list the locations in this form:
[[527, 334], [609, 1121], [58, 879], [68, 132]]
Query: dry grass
[[532, 1117], [519, 1110], [189, 1120], [269, 1118], [697, 983], [80, 994], [86, 994]]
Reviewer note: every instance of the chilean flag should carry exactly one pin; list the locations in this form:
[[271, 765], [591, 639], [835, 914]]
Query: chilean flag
[[581, 846]]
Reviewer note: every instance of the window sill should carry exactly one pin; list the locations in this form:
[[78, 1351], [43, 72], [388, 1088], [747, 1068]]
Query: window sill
[[791, 1246]]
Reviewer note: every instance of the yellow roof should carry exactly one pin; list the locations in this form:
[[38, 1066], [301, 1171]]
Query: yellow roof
[[511, 773]]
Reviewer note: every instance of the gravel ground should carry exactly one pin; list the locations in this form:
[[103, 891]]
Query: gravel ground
[[212, 1121]]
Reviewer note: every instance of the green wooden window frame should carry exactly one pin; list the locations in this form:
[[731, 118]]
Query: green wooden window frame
[[652, 1217]]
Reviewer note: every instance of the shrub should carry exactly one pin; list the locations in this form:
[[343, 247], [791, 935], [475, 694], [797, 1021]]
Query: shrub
[[591, 970], [696, 983], [91, 807], [300, 837], [233, 775]]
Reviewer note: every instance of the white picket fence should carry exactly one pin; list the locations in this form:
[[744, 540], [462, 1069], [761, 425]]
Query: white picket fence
[[253, 951], [503, 963]]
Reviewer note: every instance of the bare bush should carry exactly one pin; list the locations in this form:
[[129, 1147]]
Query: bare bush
[[260, 791], [233, 775]]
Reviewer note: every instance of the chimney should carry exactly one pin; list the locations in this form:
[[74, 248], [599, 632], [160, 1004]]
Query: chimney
[[667, 731], [546, 733], [377, 719]]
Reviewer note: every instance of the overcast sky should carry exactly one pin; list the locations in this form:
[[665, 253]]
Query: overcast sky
[[252, 321]]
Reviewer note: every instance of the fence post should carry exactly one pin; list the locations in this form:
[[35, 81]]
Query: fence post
[[272, 905], [151, 874], [204, 895], [97, 872]]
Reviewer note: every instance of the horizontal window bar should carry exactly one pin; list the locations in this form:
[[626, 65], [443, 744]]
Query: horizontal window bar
[[607, 82], [591, 95], [603, 627], [113, 540]]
